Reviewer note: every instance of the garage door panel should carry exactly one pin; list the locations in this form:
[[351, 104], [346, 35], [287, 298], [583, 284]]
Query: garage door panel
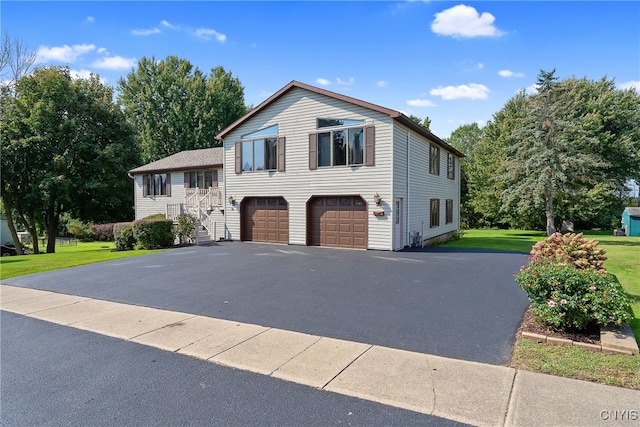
[[265, 220], [338, 221]]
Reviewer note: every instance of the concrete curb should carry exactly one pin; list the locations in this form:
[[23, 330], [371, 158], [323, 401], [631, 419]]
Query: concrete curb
[[464, 391], [620, 340]]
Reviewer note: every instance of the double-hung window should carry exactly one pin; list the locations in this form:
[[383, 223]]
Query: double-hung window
[[260, 154], [434, 160], [156, 184], [451, 166], [435, 212], [341, 147], [448, 211], [201, 179], [260, 150], [341, 142]]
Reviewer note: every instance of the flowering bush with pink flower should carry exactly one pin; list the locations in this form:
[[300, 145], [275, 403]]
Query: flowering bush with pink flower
[[570, 249], [567, 298]]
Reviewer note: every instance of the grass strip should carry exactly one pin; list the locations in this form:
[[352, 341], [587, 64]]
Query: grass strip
[[65, 256], [574, 362]]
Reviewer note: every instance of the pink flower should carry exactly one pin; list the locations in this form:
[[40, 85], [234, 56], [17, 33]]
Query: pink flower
[[561, 264], [563, 301], [551, 303], [561, 314], [592, 288]]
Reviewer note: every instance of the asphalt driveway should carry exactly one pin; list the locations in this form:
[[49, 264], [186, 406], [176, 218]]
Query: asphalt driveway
[[449, 302]]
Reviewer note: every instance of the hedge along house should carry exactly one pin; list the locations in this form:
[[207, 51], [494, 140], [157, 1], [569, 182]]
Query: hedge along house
[[186, 182], [631, 221], [313, 167]]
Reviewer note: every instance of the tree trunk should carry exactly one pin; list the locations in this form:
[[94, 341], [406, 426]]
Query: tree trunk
[[33, 231], [551, 227], [52, 231], [11, 225]]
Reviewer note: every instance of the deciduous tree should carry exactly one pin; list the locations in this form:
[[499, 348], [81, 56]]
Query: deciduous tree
[[66, 148], [174, 106]]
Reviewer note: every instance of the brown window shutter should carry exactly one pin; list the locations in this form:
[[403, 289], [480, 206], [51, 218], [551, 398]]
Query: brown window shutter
[[168, 184], [144, 186], [186, 180], [313, 151], [281, 141], [238, 157], [215, 178], [369, 145]]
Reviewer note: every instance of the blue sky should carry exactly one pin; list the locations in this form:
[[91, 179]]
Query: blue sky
[[456, 62]]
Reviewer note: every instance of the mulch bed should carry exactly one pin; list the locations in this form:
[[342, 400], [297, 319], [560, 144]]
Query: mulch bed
[[590, 336]]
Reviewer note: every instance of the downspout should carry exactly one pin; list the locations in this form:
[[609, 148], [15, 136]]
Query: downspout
[[408, 189]]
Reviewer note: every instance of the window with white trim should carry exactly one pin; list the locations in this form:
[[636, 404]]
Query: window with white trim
[[435, 212]]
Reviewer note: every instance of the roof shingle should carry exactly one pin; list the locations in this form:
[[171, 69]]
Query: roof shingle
[[189, 159]]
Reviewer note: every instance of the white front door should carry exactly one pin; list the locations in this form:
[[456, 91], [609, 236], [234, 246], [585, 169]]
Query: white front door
[[397, 225]]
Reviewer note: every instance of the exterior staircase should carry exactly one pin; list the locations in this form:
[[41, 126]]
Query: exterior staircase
[[204, 205]]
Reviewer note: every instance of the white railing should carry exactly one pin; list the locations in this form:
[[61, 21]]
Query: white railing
[[174, 209], [200, 202], [203, 197]]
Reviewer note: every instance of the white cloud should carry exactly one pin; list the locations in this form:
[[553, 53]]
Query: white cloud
[[341, 82], [480, 65], [80, 74], [509, 73], [470, 91], [464, 21], [207, 33], [102, 50], [421, 103], [382, 83], [64, 53], [167, 24], [115, 63], [323, 82], [531, 90], [85, 74], [634, 84], [148, 32], [90, 20]]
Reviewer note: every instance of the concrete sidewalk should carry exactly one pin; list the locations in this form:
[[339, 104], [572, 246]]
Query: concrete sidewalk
[[469, 392]]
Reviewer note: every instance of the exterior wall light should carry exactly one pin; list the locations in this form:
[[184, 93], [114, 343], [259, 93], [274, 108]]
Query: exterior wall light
[[377, 199], [231, 200]]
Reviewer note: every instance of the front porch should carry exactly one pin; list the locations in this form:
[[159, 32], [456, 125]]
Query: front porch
[[206, 205]]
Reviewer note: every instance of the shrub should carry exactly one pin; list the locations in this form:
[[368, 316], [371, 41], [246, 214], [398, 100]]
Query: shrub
[[79, 229], [186, 227], [153, 233], [103, 232], [572, 249], [123, 237], [156, 216], [564, 297]]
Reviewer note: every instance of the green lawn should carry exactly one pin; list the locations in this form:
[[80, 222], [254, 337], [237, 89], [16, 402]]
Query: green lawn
[[508, 240], [65, 256]]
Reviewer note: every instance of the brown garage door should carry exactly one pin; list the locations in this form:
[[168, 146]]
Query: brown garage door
[[265, 219], [339, 221]]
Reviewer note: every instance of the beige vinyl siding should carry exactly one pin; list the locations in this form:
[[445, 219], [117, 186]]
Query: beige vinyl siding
[[423, 186], [295, 113], [400, 186], [151, 205]]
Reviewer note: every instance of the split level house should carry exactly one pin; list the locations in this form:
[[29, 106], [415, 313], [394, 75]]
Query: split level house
[[312, 167], [186, 182]]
